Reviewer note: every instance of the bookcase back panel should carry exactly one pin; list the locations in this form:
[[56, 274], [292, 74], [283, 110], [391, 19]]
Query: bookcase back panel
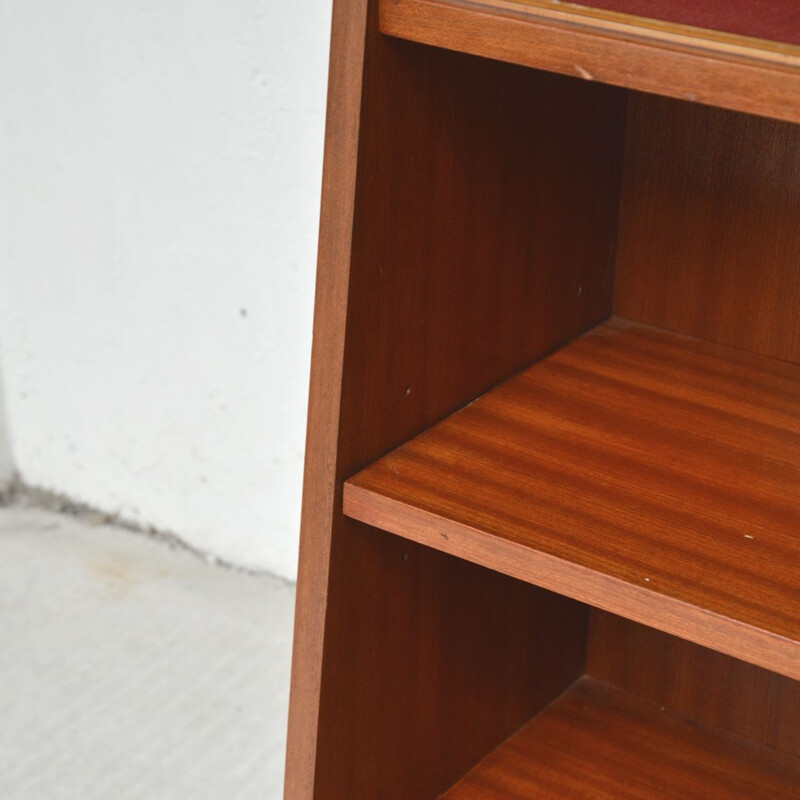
[[484, 234], [707, 686], [710, 225]]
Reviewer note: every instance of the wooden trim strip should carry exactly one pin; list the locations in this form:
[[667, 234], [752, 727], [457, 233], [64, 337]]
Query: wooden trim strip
[[348, 37], [726, 635]]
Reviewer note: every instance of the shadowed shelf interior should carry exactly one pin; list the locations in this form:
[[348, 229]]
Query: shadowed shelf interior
[[551, 516], [597, 741]]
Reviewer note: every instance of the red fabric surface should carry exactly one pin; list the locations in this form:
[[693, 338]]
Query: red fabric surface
[[778, 20]]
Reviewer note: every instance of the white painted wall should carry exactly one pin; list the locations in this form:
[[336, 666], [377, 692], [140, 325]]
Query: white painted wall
[[159, 190]]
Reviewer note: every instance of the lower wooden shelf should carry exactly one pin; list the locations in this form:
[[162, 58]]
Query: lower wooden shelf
[[600, 742], [642, 472]]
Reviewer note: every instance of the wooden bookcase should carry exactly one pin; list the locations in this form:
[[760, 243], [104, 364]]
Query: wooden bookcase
[[551, 516]]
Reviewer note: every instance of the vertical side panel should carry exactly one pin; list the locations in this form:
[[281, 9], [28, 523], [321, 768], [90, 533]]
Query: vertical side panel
[[348, 31]]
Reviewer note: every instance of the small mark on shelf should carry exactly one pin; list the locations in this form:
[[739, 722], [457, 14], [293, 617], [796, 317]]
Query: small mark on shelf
[[749, 536], [584, 73]]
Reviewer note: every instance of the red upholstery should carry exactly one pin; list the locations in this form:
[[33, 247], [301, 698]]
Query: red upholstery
[[778, 20]]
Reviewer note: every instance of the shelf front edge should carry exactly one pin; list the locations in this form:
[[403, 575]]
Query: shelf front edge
[[724, 634], [671, 64]]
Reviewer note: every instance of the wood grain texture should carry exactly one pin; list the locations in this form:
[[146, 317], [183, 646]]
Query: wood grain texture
[[445, 660], [348, 29], [461, 270], [661, 59], [484, 237], [599, 742], [645, 473], [701, 684], [710, 239], [469, 226]]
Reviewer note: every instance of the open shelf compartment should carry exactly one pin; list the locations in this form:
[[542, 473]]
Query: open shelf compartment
[[643, 472], [601, 742]]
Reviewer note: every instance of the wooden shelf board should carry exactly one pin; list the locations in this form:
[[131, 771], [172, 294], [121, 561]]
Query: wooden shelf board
[[600, 742], [645, 473], [659, 55]]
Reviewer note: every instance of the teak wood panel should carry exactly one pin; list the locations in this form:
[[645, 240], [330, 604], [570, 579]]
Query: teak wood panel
[[483, 234], [701, 684], [710, 225], [741, 74], [598, 742], [640, 471]]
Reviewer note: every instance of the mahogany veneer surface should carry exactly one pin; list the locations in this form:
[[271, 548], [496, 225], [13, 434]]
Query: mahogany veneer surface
[[650, 474], [469, 224], [599, 742], [696, 682], [710, 225]]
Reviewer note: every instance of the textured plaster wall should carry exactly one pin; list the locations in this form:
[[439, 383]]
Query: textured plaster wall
[[159, 182]]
